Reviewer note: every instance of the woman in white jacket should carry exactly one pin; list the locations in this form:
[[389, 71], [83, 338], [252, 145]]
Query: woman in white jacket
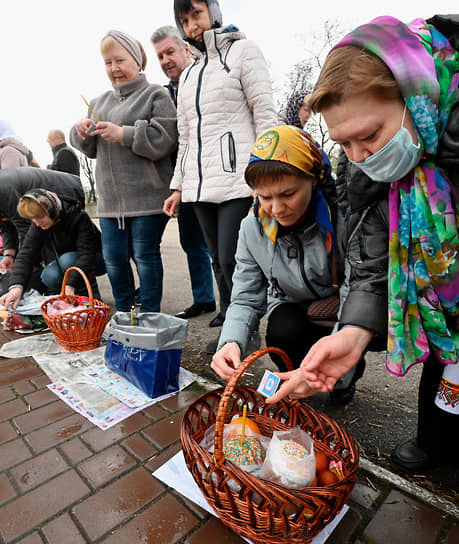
[[224, 101]]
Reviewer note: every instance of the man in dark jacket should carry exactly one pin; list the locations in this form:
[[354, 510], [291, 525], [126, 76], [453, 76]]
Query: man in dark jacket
[[14, 182], [61, 235], [64, 158], [174, 56]]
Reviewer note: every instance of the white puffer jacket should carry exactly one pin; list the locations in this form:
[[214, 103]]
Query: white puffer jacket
[[224, 102]]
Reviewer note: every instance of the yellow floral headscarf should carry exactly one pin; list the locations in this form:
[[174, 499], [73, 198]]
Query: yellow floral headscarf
[[290, 145], [294, 146]]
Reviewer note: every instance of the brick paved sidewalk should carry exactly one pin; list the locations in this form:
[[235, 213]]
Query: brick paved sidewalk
[[64, 481]]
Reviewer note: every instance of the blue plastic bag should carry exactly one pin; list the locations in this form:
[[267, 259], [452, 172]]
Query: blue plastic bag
[[148, 352]]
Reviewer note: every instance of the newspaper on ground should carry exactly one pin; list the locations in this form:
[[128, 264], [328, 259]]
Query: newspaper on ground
[[68, 367], [70, 373], [118, 386], [31, 346], [119, 412], [175, 474]]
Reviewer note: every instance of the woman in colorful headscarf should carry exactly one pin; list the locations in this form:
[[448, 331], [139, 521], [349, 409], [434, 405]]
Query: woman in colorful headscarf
[[285, 253], [388, 107], [131, 130], [61, 235]]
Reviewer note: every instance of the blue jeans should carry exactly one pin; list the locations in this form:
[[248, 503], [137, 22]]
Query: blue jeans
[[195, 247], [139, 240], [52, 276]]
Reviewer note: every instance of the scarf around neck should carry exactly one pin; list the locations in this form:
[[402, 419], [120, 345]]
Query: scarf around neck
[[423, 276]]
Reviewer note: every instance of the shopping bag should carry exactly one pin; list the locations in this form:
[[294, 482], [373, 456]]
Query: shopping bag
[[146, 352]]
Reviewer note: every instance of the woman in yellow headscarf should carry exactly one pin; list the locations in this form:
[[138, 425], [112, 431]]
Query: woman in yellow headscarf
[[285, 250]]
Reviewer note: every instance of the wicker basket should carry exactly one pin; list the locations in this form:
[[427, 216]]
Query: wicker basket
[[262, 511], [77, 331]]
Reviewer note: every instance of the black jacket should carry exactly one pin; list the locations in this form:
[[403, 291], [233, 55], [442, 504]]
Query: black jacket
[[364, 207], [65, 160], [364, 204], [14, 182], [72, 231]]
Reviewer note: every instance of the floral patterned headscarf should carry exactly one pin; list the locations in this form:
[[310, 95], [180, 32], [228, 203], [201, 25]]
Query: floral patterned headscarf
[[423, 215]]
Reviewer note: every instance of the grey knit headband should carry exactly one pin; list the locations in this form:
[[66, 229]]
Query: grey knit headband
[[128, 42], [48, 201]]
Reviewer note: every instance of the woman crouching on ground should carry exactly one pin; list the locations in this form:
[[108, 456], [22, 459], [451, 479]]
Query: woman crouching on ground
[[61, 235], [285, 253]]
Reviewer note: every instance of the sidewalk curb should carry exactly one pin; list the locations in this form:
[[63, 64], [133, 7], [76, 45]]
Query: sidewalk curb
[[393, 479], [420, 493]]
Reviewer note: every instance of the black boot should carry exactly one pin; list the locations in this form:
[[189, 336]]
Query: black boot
[[409, 457], [217, 321], [196, 309]]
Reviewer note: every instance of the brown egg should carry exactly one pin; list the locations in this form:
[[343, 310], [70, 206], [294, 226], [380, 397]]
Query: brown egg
[[322, 461], [326, 477], [315, 482]]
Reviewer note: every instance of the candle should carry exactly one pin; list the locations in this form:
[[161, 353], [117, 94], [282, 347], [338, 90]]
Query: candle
[[244, 417], [90, 109]]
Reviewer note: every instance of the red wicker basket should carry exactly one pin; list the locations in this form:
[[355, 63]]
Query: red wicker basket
[[77, 331], [262, 511]]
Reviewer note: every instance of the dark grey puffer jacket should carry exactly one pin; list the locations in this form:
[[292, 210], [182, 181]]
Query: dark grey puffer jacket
[[364, 210]]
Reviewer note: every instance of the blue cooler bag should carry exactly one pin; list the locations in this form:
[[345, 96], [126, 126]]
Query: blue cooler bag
[[147, 353]]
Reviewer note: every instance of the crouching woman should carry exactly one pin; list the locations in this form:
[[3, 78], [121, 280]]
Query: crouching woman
[[286, 251], [61, 235]]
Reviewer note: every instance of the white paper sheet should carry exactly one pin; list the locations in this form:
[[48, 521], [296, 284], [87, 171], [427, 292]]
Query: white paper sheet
[[175, 474]]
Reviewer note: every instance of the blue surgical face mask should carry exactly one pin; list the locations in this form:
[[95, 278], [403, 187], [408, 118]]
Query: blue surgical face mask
[[394, 160]]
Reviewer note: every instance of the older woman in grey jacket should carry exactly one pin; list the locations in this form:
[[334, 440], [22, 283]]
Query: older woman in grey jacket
[[133, 139]]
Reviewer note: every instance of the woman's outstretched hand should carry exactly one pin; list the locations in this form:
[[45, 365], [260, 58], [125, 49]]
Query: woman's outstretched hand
[[327, 360], [295, 386], [333, 355], [12, 297]]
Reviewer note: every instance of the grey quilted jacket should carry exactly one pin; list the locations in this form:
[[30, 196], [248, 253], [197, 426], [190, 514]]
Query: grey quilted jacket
[[296, 268]]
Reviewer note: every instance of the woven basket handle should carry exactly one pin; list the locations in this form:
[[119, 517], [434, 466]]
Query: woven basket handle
[[88, 285], [227, 393]]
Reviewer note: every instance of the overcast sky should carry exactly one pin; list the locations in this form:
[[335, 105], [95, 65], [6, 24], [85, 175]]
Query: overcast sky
[[50, 48]]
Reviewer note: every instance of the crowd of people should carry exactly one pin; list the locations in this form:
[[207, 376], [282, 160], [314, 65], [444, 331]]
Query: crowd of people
[[257, 202]]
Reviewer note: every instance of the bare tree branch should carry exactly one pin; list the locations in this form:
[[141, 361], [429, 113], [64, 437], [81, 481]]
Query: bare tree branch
[[87, 166]]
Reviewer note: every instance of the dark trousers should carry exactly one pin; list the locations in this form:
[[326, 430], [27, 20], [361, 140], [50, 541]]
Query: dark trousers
[[220, 226], [438, 431], [289, 329], [197, 254]]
